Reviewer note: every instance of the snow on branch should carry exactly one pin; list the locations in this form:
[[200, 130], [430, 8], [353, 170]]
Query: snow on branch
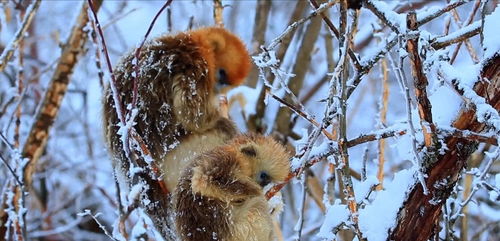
[[420, 83], [457, 36], [422, 210], [395, 21], [9, 50], [423, 18], [291, 28]]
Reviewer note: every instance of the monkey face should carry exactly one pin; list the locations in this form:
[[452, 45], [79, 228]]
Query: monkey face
[[268, 160], [232, 62]]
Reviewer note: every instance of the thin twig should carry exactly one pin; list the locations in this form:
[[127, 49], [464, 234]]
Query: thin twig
[[295, 25], [101, 226], [304, 115], [420, 82], [344, 41], [302, 206], [468, 44], [467, 22], [218, 13], [401, 77], [383, 122], [335, 31], [11, 170], [8, 52], [137, 54], [494, 157]]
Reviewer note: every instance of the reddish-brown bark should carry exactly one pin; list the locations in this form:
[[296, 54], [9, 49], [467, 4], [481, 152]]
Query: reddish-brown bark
[[418, 212]]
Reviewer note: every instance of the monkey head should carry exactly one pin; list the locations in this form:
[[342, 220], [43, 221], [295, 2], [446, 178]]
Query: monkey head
[[262, 158], [227, 58]]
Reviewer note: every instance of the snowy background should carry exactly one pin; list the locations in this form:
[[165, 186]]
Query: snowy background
[[74, 171]]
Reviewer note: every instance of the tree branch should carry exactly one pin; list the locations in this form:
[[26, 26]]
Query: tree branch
[[9, 50], [418, 212]]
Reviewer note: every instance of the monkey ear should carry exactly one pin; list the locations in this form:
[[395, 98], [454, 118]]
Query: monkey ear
[[249, 151], [217, 41]]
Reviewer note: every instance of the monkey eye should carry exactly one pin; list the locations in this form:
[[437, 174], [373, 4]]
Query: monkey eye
[[222, 77], [263, 178], [249, 151], [238, 202]]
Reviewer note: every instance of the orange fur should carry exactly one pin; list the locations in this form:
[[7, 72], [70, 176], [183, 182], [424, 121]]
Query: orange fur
[[224, 50], [178, 115]]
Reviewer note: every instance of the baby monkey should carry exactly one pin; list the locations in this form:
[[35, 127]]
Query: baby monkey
[[220, 194]]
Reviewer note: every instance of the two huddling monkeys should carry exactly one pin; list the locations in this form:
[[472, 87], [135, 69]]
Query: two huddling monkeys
[[215, 174]]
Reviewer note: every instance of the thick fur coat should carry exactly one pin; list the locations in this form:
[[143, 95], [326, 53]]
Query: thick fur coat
[[220, 194], [178, 116]]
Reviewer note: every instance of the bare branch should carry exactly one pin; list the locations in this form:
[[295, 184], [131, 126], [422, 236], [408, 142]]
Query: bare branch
[[218, 13]]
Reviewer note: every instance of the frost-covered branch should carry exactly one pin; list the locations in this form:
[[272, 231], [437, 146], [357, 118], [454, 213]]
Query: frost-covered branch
[[346, 35], [335, 31], [9, 50], [467, 22], [390, 18], [403, 83], [291, 28], [457, 36], [444, 132], [304, 115], [87, 212], [423, 19], [420, 82], [423, 210], [493, 157]]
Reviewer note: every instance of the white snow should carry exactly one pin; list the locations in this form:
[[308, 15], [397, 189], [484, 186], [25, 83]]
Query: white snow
[[491, 39], [398, 20], [377, 218], [362, 189], [335, 215]]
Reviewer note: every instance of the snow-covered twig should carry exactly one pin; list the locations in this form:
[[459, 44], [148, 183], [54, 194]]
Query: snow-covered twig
[[274, 43], [9, 50], [87, 212], [468, 44], [457, 36], [426, 18], [304, 115], [335, 31], [420, 83], [492, 158], [93, 36], [137, 56], [300, 223], [11, 170], [346, 35], [401, 77], [370, 62], [387, 16], [467, 22]]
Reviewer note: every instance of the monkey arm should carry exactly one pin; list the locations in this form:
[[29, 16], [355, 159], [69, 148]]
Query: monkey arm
[[221, 178]]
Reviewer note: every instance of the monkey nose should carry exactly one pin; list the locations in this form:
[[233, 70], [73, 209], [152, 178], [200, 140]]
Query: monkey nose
[[222, 78], [263, 179]]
